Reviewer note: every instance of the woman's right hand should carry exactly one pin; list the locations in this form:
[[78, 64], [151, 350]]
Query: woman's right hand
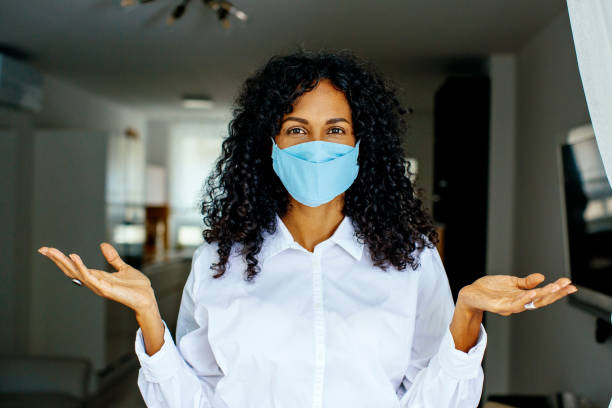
[[127, 286]]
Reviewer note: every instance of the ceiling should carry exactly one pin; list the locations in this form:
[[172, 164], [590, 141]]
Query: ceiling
[[132, 57]]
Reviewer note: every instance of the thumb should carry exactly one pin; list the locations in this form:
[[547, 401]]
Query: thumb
[[112, 256], [530, 281]]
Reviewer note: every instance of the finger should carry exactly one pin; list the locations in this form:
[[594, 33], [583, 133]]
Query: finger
[[521, 300], [550, 292], [559, 284], [550, 288], [100, 280], [112, 256], [87, 277], [553, 297], [62, 261], [530, 281], [543, 296], [508, 305]]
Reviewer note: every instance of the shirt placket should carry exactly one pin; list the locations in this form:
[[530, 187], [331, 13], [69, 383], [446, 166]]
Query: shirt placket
[[319, 330]]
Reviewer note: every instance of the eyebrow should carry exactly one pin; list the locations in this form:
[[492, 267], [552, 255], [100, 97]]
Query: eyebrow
[[304, 121]]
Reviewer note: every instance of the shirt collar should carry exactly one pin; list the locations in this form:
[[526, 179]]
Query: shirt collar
[[281, 239]]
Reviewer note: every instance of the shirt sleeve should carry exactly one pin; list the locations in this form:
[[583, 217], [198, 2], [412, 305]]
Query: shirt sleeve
[[439, 375], [167, 379]]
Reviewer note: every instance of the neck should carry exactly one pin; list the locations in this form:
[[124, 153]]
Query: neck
[[311, 225]]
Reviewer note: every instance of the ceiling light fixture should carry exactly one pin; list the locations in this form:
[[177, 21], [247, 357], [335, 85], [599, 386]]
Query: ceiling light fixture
[[222, 8], [191, 101]]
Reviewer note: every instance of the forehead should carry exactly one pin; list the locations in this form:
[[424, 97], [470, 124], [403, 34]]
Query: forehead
[[323, 99]]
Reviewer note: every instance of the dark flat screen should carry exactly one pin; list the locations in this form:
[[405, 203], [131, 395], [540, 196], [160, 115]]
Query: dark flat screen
[[588, 211]]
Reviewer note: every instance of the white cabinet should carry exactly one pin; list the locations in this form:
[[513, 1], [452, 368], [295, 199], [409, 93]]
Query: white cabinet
[[68, 210], [11, 232], [81, 180]]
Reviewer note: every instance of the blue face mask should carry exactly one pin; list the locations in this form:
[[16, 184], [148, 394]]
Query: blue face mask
[[316, 172]]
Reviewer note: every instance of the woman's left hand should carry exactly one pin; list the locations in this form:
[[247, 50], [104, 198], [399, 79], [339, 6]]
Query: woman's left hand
[[505, 295]]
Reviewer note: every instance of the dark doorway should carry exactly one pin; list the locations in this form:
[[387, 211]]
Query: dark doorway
[[461, 167]]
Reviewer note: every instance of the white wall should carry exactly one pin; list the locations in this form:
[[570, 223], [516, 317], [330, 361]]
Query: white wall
[[419, 143], [69, 214], [416, 90], [16, 203], [64, 107], [8, 260], [502, 71], [554, 348], [158, 133]]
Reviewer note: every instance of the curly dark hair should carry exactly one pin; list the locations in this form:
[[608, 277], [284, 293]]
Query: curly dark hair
[[243, 193]]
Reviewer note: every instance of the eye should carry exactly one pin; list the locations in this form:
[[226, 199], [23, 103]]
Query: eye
[[336, 128], [291, 131]]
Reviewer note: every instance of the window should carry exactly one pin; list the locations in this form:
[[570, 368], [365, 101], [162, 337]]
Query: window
[[194, 147]]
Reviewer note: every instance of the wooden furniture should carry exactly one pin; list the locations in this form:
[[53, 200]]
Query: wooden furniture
[[440, 245], [156, 229]]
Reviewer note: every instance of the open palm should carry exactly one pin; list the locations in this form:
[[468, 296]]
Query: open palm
[[505, 294], [127, 286]]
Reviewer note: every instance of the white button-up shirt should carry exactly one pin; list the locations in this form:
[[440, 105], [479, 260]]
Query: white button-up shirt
[[321, 329]]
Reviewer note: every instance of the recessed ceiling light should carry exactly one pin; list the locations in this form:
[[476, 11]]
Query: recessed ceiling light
[[197, 102]]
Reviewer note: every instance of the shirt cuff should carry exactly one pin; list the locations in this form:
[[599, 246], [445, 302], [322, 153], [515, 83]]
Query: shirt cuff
[[164, 363], [460, 364]]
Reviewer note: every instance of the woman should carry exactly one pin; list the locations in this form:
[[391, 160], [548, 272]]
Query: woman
[[319, 284]]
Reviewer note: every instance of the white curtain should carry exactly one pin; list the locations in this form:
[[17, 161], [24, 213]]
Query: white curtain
[[591, 22]]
